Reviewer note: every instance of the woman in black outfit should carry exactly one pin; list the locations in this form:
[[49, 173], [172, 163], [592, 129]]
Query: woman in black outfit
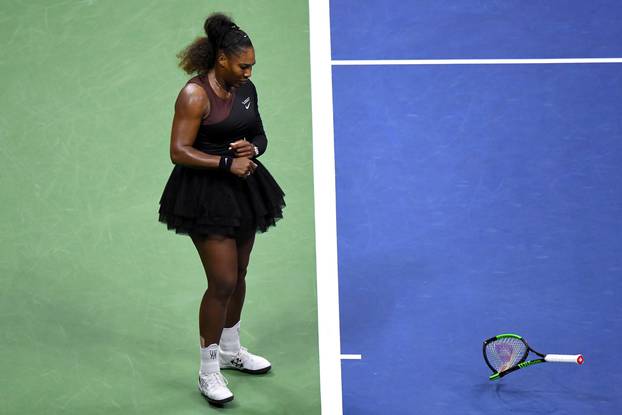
[[219, 193]]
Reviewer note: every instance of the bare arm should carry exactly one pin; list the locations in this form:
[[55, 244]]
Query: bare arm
[[191, 105]]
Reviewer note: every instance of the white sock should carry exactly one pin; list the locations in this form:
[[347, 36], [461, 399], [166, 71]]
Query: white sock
[[230, 339], [209, 359]]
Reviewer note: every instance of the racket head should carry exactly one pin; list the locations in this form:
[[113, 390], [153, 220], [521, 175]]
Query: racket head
[[504, 352]]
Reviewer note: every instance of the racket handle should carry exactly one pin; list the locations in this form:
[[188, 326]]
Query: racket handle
[[564, 358]]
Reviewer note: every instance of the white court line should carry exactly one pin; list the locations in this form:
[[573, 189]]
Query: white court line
[[325, 207], [472, 61], [351, 357]]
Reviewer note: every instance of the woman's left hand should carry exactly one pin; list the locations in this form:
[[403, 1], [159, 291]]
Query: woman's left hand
[[243, 148]]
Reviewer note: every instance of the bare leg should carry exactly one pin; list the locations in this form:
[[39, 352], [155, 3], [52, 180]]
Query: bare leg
[[234, 311], [219, 256]]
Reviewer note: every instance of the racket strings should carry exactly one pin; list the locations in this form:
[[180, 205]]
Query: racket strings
[[505, 353]]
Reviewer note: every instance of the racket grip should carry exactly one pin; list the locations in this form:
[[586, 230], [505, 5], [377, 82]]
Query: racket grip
[[564, 358]]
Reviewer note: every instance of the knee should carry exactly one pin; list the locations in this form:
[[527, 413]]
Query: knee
[[223, 290]]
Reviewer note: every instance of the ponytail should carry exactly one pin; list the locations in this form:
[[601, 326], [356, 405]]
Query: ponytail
[[222, 35]]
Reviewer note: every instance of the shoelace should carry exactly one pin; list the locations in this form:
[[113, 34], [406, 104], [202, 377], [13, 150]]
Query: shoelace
[[243, 354], [215, 379], [243, 357]]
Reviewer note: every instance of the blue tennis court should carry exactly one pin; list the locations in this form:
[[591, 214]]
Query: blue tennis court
[[477, 199]]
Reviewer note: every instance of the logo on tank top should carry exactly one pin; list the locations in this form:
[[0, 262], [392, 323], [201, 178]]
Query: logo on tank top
[[247, 103]]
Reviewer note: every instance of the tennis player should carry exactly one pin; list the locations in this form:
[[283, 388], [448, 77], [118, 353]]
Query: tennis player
[[218, 192]]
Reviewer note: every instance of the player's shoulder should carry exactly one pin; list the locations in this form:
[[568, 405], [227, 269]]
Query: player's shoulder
[[194, 90], [192, 97]]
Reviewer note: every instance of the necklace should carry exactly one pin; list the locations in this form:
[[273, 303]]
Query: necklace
[[222, 88]]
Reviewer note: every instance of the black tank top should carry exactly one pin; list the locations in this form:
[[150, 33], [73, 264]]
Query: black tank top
[[229, 120]]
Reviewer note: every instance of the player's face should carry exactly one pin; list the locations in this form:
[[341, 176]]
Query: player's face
[[239, 67]]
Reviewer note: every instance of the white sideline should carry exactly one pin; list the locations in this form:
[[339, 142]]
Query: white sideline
[[473, 61], [325, 207]]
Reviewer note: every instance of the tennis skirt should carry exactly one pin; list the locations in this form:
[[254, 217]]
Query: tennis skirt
[[206, 202]]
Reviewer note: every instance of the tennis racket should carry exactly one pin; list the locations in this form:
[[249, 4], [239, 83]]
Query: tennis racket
[[507, 353]]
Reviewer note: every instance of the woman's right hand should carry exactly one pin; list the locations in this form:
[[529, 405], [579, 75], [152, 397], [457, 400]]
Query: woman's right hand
[[242, 167]]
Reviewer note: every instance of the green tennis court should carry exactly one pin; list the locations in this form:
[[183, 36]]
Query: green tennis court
[[99, 301]]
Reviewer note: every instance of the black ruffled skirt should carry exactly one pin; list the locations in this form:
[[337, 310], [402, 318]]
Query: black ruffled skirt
[[214, 202]]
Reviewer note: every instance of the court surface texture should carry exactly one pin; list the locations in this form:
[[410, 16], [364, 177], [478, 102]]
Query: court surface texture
[[452, 171], [99, 301], [475, 199]]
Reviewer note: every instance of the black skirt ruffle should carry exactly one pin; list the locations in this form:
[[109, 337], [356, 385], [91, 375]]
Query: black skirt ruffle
[[212, 202]]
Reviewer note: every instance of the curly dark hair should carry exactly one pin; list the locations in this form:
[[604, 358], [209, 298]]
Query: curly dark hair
[[222, 34]]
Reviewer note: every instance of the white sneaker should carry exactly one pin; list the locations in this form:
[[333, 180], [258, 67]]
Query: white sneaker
[[214, 387], [243, 361]]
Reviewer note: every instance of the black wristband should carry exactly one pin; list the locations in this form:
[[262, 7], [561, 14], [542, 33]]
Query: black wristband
[[225, 163]]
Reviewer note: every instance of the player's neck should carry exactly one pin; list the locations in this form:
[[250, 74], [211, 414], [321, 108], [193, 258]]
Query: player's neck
[[218, 84]]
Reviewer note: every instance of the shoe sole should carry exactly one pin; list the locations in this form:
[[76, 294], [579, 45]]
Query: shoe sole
[[215, 401], [218, 403], [250, 372]]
